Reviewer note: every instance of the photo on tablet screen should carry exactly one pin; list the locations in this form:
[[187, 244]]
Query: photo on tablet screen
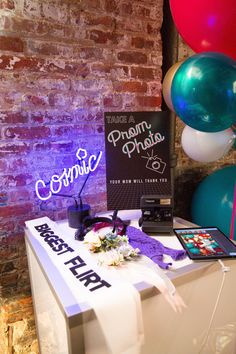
[[206, 243]]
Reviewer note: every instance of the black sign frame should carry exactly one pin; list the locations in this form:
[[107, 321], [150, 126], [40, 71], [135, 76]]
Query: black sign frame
[[139, 148]]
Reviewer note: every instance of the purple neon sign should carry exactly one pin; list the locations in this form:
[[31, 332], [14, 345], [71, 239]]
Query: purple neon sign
[[86, 165]]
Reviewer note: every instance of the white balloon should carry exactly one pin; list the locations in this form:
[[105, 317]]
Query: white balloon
[[206, 147]]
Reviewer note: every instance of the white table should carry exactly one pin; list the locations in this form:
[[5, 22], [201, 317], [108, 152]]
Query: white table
[[61, 320]]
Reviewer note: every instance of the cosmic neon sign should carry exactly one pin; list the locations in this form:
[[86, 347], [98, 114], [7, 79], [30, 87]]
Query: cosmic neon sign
[[87, 163]]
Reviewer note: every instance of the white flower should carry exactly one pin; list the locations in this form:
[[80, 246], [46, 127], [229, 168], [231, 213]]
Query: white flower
[[111, 258], [128, 251], [92, 240], [124, 238], [114, 249]]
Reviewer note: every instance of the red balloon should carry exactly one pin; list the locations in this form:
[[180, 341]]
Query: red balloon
[[207, 25]]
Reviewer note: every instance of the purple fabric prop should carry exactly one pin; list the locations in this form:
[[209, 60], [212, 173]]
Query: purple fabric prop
[[152, 248]]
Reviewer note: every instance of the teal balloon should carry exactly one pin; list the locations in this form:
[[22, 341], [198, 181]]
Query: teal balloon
[[203, 92], [212, 202]]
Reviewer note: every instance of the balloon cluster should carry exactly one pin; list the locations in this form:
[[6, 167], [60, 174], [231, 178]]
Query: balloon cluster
[[202, 89], [202, 92]]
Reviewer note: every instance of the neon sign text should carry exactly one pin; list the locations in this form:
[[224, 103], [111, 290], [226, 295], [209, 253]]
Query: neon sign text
[[139, 128], [133, 145], [86, 165]]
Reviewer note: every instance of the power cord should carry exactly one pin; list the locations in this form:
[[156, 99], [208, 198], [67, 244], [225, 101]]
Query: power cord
[[224, 269]]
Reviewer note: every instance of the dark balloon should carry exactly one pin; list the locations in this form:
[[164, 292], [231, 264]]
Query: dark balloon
[[203, 92], [212, 202]]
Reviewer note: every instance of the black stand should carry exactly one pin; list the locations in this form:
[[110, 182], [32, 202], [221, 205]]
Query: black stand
[[76, 216]]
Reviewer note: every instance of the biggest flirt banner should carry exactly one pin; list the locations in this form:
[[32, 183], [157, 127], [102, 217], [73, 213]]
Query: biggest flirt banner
[[138, 146]]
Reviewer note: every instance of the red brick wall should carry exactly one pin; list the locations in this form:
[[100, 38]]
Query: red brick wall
[[62, 64]]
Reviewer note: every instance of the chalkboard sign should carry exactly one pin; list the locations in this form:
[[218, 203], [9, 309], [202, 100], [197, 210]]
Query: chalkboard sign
[[138, 146]]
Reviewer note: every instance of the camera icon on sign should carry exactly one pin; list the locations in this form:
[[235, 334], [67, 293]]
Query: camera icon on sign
[[155, 163]]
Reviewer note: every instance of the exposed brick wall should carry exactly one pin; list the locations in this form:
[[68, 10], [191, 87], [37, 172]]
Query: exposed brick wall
[[17, 327], [62, 64]]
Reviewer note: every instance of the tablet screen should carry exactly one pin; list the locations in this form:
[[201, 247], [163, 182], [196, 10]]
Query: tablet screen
[[206, 243]]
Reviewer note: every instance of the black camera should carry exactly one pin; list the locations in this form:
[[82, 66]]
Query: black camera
[[157, 213]]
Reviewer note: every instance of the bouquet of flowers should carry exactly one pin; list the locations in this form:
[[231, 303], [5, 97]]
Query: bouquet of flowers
[[115, 249]]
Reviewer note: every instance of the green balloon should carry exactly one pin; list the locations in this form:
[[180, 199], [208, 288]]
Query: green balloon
[[203, 92]]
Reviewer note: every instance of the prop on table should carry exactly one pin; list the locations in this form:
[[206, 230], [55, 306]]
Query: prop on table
[[118, 247], [102, 238], [206, 25], [206, 243], [157, 213], [108, 236], [115, 249], [212, 202], [203, 92], [85, 165], [152, 248], [79, 212]]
